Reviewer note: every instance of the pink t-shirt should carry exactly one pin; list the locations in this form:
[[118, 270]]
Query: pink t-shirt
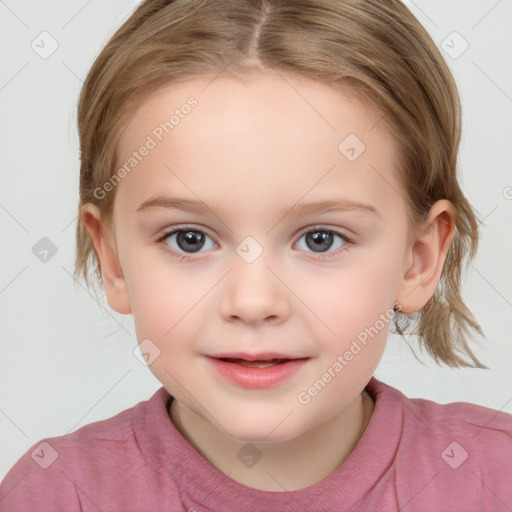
[[415, 455]]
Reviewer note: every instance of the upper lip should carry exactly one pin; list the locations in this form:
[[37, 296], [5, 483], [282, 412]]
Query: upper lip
[[262, 356]]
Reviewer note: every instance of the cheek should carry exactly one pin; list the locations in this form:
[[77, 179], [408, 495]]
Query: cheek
[[346, 303], [167, 308], [168, 299], [153, 292]]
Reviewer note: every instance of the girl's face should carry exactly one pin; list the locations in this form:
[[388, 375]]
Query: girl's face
[[296, 246]]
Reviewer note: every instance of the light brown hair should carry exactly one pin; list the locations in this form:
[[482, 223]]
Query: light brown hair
[[376, 49]]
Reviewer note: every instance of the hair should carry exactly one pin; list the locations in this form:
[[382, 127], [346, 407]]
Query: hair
[[375, 49]]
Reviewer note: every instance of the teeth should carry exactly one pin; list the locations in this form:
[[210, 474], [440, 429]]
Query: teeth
[[256, 364]]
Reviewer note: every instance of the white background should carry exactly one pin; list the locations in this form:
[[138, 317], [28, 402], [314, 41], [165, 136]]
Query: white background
[[67, 360]]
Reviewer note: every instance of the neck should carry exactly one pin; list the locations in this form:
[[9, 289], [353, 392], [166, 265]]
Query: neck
[[290, 465]]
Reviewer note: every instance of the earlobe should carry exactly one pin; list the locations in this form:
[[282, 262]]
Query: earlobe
[[111, 271], [426, 257]]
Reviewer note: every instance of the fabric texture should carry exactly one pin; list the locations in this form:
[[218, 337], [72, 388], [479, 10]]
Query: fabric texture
[[415, 455]]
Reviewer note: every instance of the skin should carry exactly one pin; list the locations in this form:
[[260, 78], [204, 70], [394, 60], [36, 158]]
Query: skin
[[250, 149]]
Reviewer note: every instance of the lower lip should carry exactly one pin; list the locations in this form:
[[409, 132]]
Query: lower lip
[[257, 378]]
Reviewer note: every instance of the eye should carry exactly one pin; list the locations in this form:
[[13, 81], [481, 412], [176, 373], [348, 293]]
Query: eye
[[184, 240], [320, 240]]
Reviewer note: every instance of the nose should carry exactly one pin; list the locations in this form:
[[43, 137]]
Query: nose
[[254, 293]]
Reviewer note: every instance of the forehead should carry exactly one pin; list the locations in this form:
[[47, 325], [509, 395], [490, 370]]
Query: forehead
[[280, 136]]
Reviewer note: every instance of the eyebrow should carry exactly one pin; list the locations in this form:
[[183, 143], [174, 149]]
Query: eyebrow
[[194, 206]]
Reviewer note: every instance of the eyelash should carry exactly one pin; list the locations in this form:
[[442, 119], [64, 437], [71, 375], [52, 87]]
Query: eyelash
[[187, 257]]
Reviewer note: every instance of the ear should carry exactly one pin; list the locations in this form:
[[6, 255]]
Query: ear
[[111, 272], [426, 256]]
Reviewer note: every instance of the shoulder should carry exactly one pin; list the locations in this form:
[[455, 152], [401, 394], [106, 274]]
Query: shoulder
[[57, 472], [462, 419], [483, 426], [462, 449]]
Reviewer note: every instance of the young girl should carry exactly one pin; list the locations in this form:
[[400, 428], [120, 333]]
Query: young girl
[[308, 149]]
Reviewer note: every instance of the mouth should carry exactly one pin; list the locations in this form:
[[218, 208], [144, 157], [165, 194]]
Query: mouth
[[258, 363], [257, 371], [260, 356]]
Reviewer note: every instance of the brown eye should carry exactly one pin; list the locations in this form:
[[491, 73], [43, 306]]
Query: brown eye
[[321, 240], [188, 241]]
